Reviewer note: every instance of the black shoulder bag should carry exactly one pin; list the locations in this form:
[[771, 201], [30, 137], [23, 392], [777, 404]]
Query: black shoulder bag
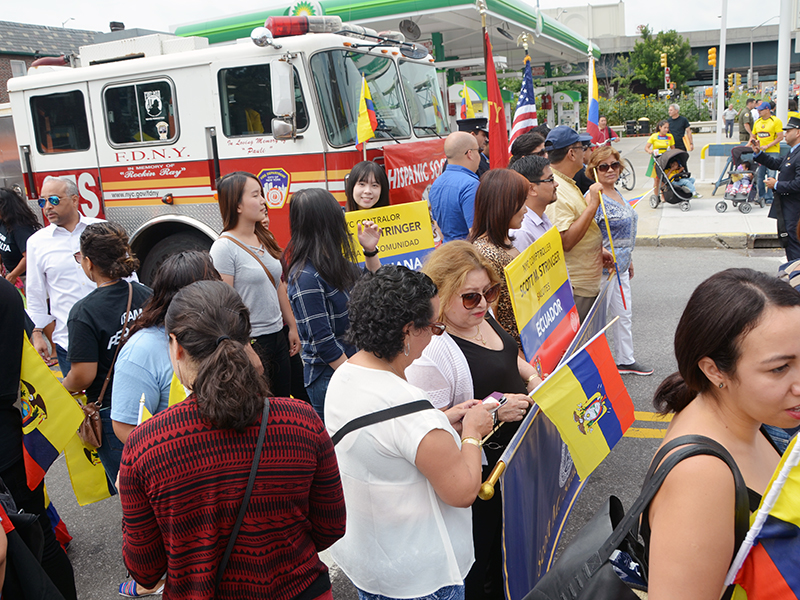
[[382, 415]]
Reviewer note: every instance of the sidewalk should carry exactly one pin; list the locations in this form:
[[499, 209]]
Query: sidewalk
[[702, 226]]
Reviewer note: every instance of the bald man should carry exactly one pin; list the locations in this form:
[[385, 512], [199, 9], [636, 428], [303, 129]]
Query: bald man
[[452, 195]]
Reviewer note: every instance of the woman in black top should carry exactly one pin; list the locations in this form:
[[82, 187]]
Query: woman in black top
[[17, 224], [98, 322]]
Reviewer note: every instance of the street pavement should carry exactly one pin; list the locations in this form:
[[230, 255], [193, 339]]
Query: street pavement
[[665, 277]]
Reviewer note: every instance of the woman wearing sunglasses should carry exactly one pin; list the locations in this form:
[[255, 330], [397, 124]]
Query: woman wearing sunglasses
[[417, 460], [622, 220], [528, 144], [472, 359]]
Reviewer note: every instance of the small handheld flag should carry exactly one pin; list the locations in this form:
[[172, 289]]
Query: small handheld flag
[[593, 112], [467, 112], [367, 120], [611, 243]]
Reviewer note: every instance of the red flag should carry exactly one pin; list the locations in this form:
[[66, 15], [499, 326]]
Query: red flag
[[498, 134]]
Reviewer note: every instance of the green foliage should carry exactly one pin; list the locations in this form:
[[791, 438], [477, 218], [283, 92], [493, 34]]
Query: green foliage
[[646, 58]]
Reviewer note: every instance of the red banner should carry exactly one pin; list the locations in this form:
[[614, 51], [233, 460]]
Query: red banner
[[412, 168], [498, 134]]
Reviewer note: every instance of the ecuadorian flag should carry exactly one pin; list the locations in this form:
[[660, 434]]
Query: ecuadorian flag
[[771, 570], [467, 112], [593, 113], [367, 121], [588, 403]]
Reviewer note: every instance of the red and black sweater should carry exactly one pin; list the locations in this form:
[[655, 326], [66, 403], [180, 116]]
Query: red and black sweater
[[182, 482]]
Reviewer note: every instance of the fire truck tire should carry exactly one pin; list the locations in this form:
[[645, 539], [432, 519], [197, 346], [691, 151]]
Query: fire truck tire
[[179, 242]]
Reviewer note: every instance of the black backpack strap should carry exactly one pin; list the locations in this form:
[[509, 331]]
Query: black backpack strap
[[692, 446], [382, 415]]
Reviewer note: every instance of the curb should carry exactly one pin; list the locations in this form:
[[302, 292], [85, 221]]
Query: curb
[[728, 240]]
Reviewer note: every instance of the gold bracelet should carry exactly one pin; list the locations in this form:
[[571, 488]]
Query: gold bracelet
[[529, 379], [471, 440]]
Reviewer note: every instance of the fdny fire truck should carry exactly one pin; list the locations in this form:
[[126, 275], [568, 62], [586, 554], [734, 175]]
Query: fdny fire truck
[[146, 125]]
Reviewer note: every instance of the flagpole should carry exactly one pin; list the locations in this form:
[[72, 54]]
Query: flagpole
[[611, 242], [482, 9]]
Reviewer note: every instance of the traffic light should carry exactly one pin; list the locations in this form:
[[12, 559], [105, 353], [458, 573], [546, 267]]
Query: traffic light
[[663, 59], [738, 79], [730, 80], [712, 57]]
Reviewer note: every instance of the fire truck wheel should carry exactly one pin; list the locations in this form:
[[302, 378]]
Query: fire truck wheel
[[179, 242]]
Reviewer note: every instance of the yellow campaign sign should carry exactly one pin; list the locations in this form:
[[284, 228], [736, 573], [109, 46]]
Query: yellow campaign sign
[[406, 233], [89, 480], [541, 296]]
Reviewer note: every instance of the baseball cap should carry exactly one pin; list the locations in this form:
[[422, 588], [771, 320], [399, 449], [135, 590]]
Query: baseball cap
[[763, 106], [563, 137]]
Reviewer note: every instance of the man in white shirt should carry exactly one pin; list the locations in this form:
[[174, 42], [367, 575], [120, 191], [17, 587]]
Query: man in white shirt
[[52, 269], [541, 194]]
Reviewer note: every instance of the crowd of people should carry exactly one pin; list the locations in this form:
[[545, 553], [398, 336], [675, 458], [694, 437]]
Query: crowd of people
[[324, 399]]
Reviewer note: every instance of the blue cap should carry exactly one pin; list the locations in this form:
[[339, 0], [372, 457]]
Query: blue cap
[[763, 106], [564, 137]]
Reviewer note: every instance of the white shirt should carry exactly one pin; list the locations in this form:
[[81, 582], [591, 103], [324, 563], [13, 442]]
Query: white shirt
[[52, 272], [402, 540], [533, 227]]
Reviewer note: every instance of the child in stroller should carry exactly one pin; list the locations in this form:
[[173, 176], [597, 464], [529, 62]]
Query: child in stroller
[[676, 172], [672, 190], [741, 177]]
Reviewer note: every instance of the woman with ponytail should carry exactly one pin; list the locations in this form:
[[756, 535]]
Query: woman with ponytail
[[184, 472], [738, 350], [99, 322]]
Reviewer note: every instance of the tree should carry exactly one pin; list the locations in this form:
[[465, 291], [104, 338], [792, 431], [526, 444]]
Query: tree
[[623, 76], [646, 58]]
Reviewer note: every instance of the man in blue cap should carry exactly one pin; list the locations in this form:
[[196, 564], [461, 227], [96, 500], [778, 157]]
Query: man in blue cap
[[478, 127], [786, 206], [767, 129]]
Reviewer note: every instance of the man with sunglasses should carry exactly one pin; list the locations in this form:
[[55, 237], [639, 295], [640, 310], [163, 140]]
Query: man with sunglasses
[[452, 195], [541, 194], [573, 216], [52, 270]]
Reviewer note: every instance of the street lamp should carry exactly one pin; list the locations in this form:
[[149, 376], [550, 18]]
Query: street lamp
[[750, 72]]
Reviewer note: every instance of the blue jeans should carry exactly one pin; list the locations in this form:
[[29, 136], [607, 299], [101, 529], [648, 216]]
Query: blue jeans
[[762, 173], [781, 437], [317, 390], [63, 361], [448, 592], [110, 451]]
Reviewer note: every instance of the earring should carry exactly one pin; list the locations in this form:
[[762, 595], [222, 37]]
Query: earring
[[721, 385], [407, 349]]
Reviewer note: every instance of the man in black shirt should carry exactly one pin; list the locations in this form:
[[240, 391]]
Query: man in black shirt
[[678, 127]]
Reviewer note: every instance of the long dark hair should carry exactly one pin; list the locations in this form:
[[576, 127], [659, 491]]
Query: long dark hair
[[229, 194], [175, 273], [106, 245], [500, 196], [320, 237], [212, 325], [524, 145], [362, 172], [15, 211], [721, 311]]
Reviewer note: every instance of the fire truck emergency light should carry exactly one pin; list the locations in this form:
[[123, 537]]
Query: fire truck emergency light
[[288, 26]]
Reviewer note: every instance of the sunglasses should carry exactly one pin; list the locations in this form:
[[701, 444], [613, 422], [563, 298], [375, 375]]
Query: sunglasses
[[548, 180], [541, 152], [54, 200], [436, 328], [603, 167], [472, 299], [78, 256]]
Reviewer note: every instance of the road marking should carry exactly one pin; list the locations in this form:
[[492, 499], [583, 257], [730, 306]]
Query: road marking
[[651, 416], [645, 432]]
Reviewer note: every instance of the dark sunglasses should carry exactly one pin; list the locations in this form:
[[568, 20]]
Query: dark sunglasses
[[541, 152], [603, 167], [436, 328], [548, 180], [78, 256], [473, 299], [54, 200]]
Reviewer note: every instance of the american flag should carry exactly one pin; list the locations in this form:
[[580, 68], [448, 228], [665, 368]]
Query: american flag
[[525, 115]]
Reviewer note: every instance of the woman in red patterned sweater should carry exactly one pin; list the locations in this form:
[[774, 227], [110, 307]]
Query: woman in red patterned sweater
[[184, 471]]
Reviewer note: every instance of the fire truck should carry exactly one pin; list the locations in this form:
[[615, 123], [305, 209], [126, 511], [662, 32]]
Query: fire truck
[[146, 125]]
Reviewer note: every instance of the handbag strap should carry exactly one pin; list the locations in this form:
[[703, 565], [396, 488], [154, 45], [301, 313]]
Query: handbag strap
[[689, 446], [262, 432], [99, 402], [379, 416], [253, 254]]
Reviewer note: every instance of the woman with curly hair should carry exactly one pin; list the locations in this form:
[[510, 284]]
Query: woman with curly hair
[[98, 322], [366, 187], [17, 224], [416, 460]]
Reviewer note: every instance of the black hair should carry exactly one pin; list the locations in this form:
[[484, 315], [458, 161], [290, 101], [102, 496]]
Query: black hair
[[721, 311], [320, 237], [176, 272], [792, 104], [557, 155], [212, 325], [106, 245], [384, 302], [362, 172], [15, 211], [531, 167], [542, 130], [524, 145], [230, 190]]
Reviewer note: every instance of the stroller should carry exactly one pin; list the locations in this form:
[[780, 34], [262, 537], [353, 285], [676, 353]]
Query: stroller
[[739, 181], [670, 192]]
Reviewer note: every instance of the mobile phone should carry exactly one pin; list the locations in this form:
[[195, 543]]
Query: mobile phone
[[497, 397]]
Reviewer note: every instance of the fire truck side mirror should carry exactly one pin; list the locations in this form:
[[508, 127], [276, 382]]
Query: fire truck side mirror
[[283, 103]]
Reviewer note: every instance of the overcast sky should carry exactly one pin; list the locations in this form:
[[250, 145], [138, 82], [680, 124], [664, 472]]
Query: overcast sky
[[681, 15]]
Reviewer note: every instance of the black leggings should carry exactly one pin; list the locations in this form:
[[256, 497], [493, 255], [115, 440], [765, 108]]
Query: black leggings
[[273, 350], [54, 559]]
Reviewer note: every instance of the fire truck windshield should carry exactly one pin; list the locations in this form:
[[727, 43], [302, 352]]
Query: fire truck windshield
[[424, 99], [337, 78]]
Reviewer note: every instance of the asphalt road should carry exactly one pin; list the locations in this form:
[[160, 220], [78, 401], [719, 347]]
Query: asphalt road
[[665, 277]]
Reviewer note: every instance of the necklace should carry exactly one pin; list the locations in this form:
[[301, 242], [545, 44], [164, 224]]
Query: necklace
[[112, 282], [478, 337], [388, 364]]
